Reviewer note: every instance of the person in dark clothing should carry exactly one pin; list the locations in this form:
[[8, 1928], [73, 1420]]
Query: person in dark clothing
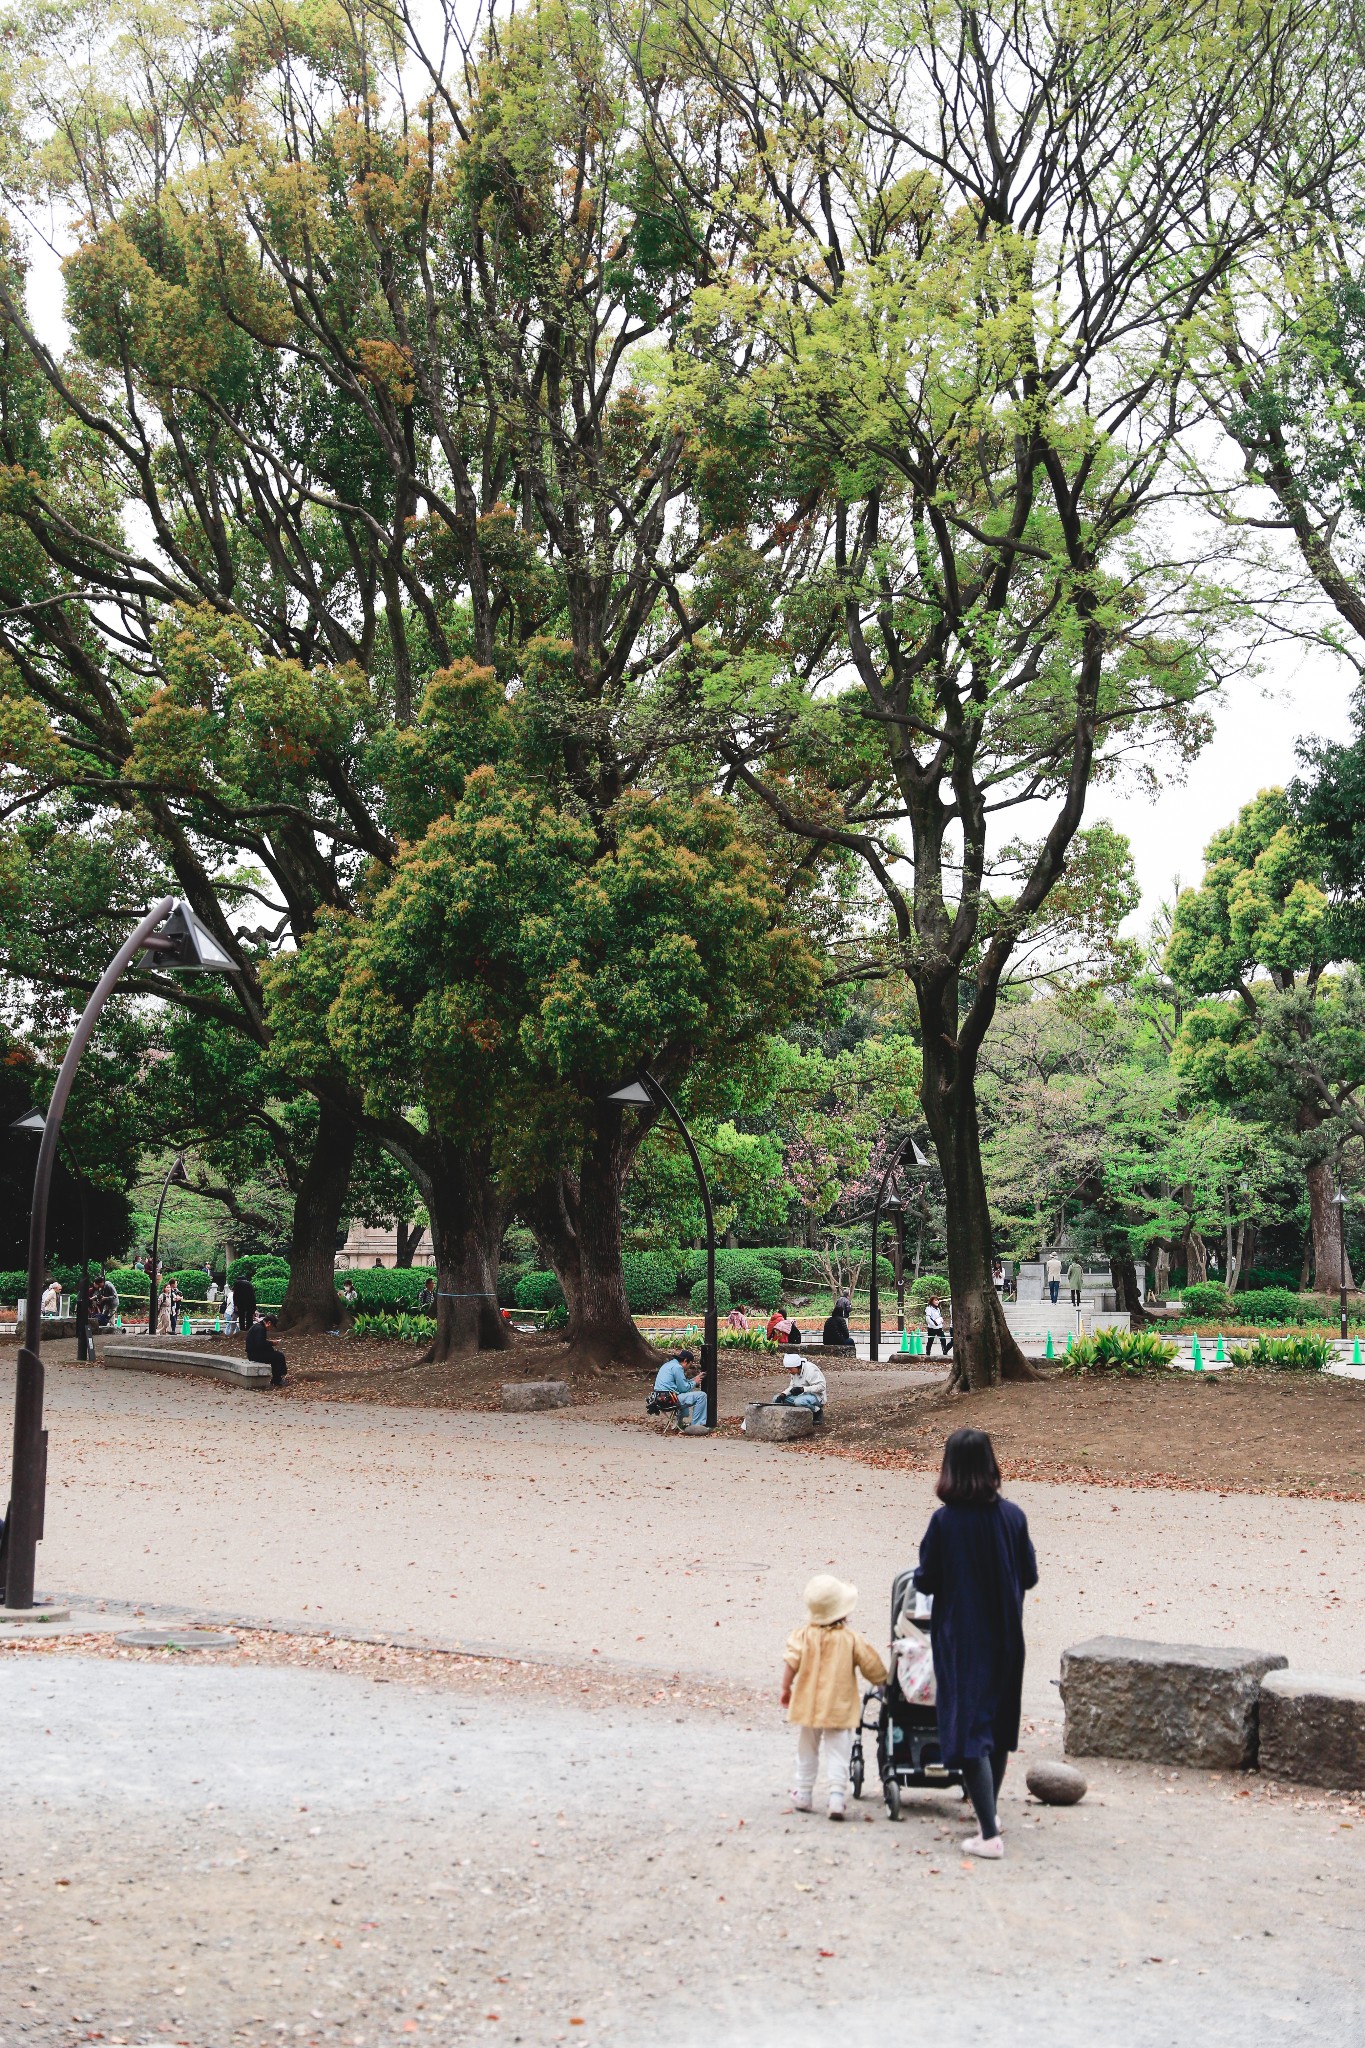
[[261, 1351], [426, 1300], [977, 1562], [836, 1330], [244, 1301]]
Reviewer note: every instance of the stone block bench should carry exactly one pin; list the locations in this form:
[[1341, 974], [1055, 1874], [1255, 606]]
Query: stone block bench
[[1182, 1703], [525, 1397], [206, 1365], [827, 1350], [766, 1423], [1313, 1729]]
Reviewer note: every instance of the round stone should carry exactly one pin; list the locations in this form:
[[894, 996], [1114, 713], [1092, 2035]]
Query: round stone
[[1056, 1784]]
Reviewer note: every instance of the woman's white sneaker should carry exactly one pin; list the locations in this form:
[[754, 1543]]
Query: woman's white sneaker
[[977, 1845]]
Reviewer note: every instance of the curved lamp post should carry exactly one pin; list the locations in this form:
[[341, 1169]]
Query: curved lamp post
[[880, 1204], [1339, 1202], [647, 1093], [177, 1175], [173, 934], [35, 1123]]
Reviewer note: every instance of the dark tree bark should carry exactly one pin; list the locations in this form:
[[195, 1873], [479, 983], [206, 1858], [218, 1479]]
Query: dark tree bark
[[468, 1213], [1123, 1273], [984, 1349], [408, 1238], [577, 1218], [1325, 1215], [311, 1302]]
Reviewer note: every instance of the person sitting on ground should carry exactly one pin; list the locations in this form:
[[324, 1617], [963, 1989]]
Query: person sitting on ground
[[681, 1376], [349, 1295], [737, 1318], [777, 1323], [806, 1385], [836, 1330], [933, 1323], [426, 1300], [261, 1351]]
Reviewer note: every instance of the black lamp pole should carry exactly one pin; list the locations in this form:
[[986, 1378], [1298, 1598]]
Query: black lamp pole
[[34, 1122], [1339, 1198], [176, 1172], [644, 1093], [874, 1304], [171, 931]]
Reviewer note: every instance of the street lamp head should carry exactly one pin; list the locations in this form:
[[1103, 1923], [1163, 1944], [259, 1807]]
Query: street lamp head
[[177, 1175], [917, 1157], [893, 1205], [634, 1093], [32, 1121], [184, 945]]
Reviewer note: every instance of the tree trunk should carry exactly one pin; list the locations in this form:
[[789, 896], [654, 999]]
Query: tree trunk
[[577, 1217], [409, 1236], [1123, 1273], [311, 1302], [468, 1214], [1328, 1262], [1162, 1270], [1196, 1259], [984, 1350]]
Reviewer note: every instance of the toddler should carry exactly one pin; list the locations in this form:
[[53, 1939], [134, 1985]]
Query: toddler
[[820, 1688]]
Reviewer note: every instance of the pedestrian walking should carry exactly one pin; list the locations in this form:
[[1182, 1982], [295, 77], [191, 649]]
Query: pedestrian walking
[[977, 1563], [244, 1303], [820, 1667], [934, 1326], [1075, 1275], [1054, 1274]]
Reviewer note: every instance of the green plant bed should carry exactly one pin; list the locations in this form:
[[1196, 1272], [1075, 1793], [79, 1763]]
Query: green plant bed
[[399, 1329], [746, 1340], [1303, 1351], [1122, 1351]]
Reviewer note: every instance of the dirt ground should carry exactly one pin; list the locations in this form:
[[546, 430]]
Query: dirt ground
[[1229, 1432]]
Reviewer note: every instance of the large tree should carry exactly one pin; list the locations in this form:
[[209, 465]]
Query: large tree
[[978, 245]]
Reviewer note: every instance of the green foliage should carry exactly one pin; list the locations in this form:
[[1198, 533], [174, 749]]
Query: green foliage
[[747, 1340], [927, 1284], [697, 1297], [749, 1276], [257, 1264], [14, 1283], [1119, 1351], [651, 1280], [1271, 1305], [400, 1329], [1303, 1352], [384, 1290], [1209, 1300], [539, 1290]]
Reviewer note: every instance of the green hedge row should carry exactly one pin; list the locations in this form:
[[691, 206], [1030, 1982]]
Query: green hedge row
[[1210, 1302]]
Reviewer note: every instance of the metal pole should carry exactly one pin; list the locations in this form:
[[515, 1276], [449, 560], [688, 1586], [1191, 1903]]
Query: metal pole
[[900, 1273], [28, 1471], [709, 1346], [85, 1350], [874, 1306], [156, 1233], [1341, 1221]]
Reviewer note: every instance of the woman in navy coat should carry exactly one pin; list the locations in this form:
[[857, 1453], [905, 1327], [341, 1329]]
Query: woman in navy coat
[[977, 1562]]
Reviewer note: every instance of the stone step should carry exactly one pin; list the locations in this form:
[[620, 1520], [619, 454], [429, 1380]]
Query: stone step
[[1313, 1729], [1181, 1703]]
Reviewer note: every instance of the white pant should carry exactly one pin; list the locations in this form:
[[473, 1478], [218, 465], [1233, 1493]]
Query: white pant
[[838, 1744]]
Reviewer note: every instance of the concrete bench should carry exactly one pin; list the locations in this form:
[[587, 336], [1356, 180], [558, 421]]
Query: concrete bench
[[524, 1397], [206, 1365], [767, 1423], [1180, 1703], [1313, 1729], [828, 1350]]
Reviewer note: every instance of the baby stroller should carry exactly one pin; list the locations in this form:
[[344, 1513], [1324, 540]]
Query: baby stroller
[[907, 1732]]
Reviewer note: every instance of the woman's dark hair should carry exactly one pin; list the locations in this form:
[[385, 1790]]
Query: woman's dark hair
[[970, 1477]]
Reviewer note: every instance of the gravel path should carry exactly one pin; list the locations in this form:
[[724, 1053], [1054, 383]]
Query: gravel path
[[571, 1538], [212, 1855]]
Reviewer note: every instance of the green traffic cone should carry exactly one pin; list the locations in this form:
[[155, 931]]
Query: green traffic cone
[[1070, 1340], [1355, 1354], [185, 1327], [905, 1340], [1198, 1357], [1220, 1356], [1049, 1353]]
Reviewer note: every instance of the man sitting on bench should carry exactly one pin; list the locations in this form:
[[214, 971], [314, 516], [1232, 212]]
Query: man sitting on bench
[[261, 1351], [806, 1385]]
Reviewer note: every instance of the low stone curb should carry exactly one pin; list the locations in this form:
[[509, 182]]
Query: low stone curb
[[206, 1365], [1313, 1729], [1184, 1703]]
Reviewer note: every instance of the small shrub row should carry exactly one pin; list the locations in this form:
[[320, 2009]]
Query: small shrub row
[[15, 1282], [696, 1299], [402, 1329], [750, 1277], [538, 1290], [746, 1340], [1302, 1352], [927, 1284], [1119, 1351]]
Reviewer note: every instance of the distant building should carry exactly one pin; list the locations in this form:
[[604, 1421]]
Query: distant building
[[364, 1247]]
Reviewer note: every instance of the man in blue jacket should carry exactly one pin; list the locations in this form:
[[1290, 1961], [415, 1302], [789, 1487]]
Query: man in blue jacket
[[681, 1377]]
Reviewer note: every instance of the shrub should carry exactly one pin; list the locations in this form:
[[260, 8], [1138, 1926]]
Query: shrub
[[697, 1297], [539, 1290], [651, 1280], [14, 1282], [1119, 1351], [750, 1276], [131, 1285], [402, 1329], [746, 1340], [1271, 1305], [385, 1290], [927, 1284], [1303, 1352], [508, 1279], [1207, 1301], [808, 1267]]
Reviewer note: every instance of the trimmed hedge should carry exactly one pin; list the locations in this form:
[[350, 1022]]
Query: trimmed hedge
[[1206, 1301], [1273, 1305], [385, 1290], [15, 1282], [651, 1280], [927, 1284], [798, 1263], [131, 1285], [539, 1290], [749, 1276], [255, 1263], [697, 1297]]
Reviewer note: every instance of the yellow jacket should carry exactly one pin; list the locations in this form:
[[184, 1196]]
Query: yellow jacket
[[824, 1662]]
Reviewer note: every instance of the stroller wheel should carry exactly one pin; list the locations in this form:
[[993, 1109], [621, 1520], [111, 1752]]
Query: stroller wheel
[[855, 1772], [892, 1793]]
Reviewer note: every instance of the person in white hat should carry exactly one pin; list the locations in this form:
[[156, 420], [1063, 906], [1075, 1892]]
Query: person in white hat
[[806, 1385], [820, 1667]]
